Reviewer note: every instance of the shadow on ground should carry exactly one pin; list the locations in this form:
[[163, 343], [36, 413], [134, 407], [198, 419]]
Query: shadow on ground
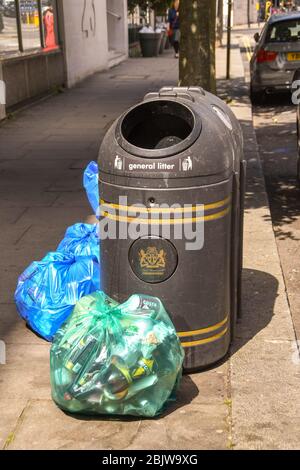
[[238, 90], [277, 138], [260, 290]]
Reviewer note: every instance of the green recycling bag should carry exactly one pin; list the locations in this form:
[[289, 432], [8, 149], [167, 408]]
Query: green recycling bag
[[112, 359]]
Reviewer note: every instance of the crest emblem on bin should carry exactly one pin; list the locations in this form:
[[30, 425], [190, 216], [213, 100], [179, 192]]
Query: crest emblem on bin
[[152, 259]]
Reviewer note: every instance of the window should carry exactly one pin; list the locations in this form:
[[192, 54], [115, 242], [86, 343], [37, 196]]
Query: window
[[284, 31], [8, 26], [30, 24], [27, 25]]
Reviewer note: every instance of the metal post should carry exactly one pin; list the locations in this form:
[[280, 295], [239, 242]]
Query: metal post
[[19, 25], [248, 13], [228, 39], [56, 23], [41, 26]]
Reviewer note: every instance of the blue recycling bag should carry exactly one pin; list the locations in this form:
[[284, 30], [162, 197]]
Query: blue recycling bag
[[91, 185], [49, 289], [81, 240]]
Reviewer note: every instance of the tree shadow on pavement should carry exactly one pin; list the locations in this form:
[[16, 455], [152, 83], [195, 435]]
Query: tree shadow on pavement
[[285, 206], [238, 90], [277, 140]]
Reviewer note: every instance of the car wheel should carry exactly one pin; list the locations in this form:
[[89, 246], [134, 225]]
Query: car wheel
[[257, 97]]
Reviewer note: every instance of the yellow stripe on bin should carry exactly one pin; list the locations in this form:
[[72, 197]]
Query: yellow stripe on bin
[[203, 331], [180, 210], [150, 221], [199, 342]]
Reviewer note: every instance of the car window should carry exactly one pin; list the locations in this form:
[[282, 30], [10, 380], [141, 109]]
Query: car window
[[284, 31]]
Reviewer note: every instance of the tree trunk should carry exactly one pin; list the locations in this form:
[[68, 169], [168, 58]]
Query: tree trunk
[[197, 45], [219, 28]]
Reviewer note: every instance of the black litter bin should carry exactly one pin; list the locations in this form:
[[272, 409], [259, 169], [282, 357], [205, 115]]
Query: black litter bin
[[150, 43], [172, 164]]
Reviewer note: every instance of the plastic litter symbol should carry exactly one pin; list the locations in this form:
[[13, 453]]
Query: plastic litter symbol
[[187, 164], [118, 163]]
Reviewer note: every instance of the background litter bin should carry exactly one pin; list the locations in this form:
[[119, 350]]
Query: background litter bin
[[183, 146], [150, 43]]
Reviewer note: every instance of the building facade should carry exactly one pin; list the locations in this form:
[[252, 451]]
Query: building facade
[[48, 43], [240, 12]]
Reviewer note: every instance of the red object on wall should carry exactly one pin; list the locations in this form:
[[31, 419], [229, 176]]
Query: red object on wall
[[50, 40]]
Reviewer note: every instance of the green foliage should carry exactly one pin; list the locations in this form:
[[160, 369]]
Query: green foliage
[[143, 4], [159, 6], [131, 5]]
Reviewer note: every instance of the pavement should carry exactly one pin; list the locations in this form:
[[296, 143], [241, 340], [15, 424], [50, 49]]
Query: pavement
[[248, 401], [275, 123]]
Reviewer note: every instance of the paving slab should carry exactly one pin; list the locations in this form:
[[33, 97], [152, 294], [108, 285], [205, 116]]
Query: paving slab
[[201, 399], [11, 410], [20, 256], [26, 372]]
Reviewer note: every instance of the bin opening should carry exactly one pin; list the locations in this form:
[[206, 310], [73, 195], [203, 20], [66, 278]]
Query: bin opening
[[157, 124]]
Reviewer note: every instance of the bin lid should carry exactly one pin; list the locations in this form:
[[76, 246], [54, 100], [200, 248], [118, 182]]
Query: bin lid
[[158, 129], [172, 135]]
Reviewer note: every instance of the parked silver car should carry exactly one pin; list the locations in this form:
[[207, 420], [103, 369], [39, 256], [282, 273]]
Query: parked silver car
[[276, 56]]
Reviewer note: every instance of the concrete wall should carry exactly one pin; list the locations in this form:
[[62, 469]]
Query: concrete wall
[[240, 12], [117, 26], [84, 34], [32, 75], [89, 32], [84, 37]]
